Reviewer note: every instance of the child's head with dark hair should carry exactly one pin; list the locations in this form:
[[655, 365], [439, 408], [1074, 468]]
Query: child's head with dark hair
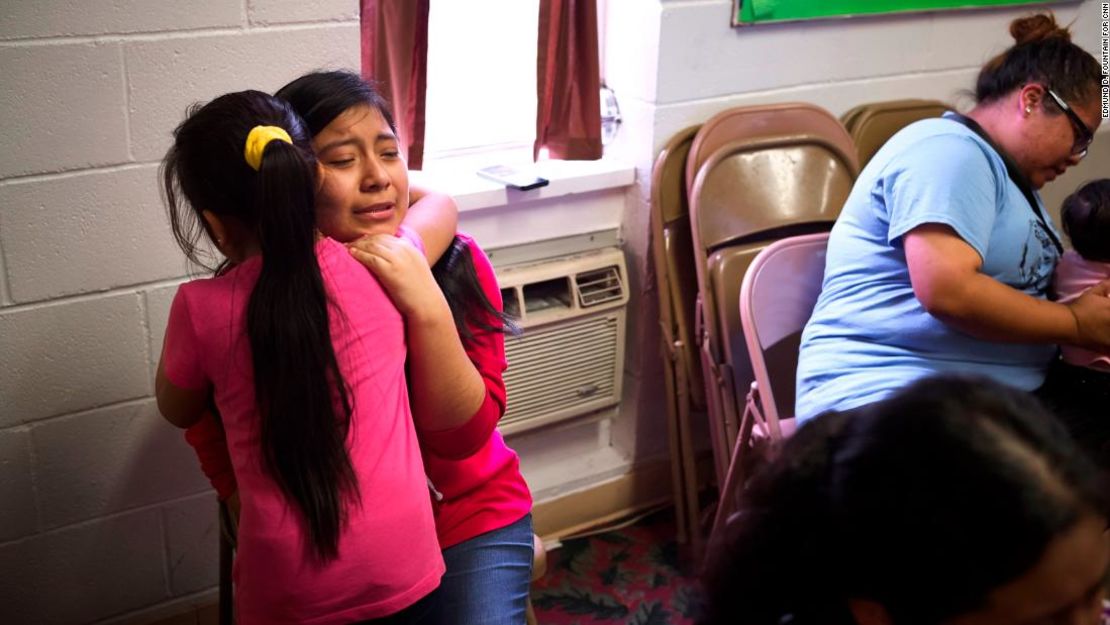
[[242, 170], [210, 186], [950, 502], [1086, 217]]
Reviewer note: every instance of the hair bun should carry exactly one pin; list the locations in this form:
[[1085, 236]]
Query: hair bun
[[1037, 28]]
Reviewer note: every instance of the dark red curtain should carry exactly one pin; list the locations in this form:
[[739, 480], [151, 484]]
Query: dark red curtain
[[395, 56], [568, 107]]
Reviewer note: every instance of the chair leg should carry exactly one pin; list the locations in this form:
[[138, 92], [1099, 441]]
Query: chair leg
[[226, 555], [675, 448]]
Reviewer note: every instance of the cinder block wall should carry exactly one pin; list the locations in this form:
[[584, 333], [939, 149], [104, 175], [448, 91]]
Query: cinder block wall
[[103, 514]]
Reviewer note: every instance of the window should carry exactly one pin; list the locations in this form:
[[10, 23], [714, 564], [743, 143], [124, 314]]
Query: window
[[481, 77]]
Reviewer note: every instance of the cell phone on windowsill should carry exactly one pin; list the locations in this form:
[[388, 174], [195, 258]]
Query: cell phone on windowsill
[[513, 178]]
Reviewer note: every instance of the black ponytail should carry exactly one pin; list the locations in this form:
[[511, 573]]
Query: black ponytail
[[296, 376], [303, 402]]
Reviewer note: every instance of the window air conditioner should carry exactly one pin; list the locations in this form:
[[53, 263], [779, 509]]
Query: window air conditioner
[[569, 358]]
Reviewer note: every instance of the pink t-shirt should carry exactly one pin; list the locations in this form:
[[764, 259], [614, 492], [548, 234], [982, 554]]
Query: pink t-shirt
[[1074, 275], [388, 553]]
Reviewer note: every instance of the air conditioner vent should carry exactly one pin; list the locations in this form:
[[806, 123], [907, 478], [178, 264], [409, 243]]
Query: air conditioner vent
[[599, 286], [569, 359]]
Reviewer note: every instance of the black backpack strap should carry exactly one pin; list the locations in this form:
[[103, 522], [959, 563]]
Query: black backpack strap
[[1015, 174]]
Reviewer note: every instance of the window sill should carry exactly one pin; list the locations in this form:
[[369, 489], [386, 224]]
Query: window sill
[[458, 177]]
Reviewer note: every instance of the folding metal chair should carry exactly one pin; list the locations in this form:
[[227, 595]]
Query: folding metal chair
[[676, 285], [790, 176], [872, 125], [776, 300]]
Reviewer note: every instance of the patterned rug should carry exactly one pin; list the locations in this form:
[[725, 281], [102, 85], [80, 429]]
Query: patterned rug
[[629, 576]]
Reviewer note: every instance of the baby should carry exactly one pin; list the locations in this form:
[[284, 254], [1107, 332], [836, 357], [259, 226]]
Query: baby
[[1078, 385]]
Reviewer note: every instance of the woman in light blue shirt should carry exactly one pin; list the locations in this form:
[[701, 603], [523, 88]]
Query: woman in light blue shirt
[[942, 257]]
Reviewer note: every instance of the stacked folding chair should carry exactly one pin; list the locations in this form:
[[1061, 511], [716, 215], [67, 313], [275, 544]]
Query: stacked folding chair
[[755, 175], [676, 285], [777, 298], [872, 125]]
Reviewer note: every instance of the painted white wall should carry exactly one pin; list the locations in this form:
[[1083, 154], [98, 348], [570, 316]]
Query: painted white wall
[[105, 514]]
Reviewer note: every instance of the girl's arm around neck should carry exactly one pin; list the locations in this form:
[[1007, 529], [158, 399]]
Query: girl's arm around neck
[[447, 389], [435, 217]]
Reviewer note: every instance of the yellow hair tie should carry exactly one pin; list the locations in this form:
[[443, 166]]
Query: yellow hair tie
[[258, 139]]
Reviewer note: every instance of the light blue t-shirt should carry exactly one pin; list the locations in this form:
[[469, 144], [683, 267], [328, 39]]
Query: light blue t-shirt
[[869, 335]]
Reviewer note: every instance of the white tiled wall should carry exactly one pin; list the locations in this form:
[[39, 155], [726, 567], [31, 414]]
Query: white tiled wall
[[104, 512]]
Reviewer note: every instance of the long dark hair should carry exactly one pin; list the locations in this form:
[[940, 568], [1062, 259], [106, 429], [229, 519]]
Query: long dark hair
[[1043, 53], [319, 98], [923, 503], [1086, 217], [303, 402]]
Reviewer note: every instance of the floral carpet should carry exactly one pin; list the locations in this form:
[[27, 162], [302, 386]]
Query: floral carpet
[[630, 576]]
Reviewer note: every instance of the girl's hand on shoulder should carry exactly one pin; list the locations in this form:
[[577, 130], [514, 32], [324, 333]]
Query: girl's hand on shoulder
[[403, 272], [1092, 317]]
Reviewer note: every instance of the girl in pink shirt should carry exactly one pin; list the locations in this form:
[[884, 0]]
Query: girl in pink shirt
[[1078, 384], [455, 332], [303, 355]]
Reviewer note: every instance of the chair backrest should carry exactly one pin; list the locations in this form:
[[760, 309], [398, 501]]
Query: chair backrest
[[768, 120], [872, 125], [776, 299], [673, 256], [748, 194]]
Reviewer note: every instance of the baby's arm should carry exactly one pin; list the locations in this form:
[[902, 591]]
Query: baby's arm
[[435, 217]]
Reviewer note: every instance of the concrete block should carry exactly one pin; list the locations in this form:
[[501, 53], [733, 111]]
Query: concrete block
[[702, 56], [60, 18], [18, 515], [84, 573], [157, 314], [166, 76], [105, 461], [287, 11], [63, 108], [71, 356], [836, 98], [87, 232], [193, 543], [705, 57]]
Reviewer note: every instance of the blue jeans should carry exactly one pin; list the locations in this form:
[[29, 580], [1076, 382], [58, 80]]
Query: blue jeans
[[487, 578]]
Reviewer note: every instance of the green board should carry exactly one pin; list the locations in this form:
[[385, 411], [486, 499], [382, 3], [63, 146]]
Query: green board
[[761, 11]]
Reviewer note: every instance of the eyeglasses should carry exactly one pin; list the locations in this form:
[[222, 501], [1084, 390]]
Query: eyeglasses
[[1083, 135]]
